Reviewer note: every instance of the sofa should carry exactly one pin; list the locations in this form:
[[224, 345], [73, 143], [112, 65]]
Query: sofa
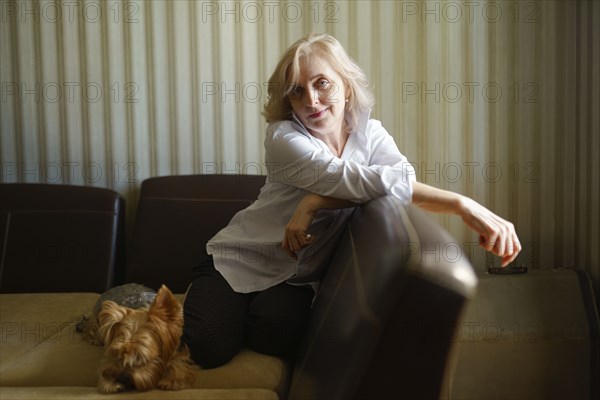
[[382, 324]]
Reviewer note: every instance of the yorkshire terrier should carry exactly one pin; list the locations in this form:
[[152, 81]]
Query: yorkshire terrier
[[143, 347]]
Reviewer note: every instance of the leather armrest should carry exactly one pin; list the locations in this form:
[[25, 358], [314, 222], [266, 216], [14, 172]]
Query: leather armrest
[[385, 316]]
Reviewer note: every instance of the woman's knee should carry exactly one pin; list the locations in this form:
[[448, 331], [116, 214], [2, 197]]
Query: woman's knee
[[213, 322], [210, 352], [277, 319]]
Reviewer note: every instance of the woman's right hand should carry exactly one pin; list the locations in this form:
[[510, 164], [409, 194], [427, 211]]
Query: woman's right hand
[[296, 235]]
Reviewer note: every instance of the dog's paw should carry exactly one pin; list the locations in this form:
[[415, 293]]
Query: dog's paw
[[106, 386], [180, 373]]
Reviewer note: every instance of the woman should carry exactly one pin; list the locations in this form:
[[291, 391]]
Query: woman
[[324, 156]]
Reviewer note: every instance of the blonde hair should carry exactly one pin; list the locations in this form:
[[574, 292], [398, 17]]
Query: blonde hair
[[284, 78]]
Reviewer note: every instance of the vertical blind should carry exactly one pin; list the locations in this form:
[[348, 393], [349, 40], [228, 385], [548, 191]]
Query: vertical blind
[[497, 100]]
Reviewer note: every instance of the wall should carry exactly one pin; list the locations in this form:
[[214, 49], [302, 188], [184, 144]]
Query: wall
[[497, 100]]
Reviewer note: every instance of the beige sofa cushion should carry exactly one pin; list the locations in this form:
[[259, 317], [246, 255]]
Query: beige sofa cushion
[[39, 342], [40, 348], [83, 393]]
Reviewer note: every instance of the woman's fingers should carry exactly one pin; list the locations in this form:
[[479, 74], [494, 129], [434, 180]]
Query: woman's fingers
[[512, 252], [295, 240], [501, 241], [508, 259], [496, 235], [285, 245], [295, 236]]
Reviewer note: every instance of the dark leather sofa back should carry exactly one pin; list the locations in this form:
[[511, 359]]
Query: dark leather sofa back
[[384, 320], [59, 238], [176, 216]]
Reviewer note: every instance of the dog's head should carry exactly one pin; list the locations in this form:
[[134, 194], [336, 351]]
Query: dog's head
[[137, 337]]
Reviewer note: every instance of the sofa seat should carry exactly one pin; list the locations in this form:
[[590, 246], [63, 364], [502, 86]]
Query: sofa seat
[[43, 354], [88, 393]]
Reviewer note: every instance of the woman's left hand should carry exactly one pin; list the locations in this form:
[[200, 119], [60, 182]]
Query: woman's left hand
[[496, 235]]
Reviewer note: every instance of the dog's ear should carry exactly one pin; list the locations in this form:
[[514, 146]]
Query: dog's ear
[[109, 316], [166, 307]]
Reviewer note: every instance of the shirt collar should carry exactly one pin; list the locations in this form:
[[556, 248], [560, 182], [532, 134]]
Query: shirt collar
[[363, 119]]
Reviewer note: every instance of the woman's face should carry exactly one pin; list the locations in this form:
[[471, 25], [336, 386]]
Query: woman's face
[[319, 98]]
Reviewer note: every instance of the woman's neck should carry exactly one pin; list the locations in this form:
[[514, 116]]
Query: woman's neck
[[336, 142]]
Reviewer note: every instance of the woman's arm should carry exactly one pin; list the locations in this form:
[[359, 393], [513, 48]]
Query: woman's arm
[[495, 234], [293, 159]]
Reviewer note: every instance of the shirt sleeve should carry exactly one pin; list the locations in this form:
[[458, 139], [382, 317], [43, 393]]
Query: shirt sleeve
[[385, 152], [294, 159]]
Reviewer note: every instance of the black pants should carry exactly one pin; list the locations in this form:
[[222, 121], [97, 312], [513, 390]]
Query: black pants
[[219, 321]]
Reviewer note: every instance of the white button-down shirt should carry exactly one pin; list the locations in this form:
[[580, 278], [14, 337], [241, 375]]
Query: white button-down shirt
[[248, 251]]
